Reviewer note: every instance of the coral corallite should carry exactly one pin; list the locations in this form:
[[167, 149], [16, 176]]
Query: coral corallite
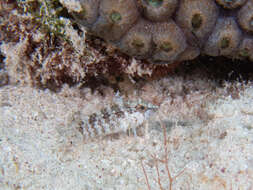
[[167, 31]]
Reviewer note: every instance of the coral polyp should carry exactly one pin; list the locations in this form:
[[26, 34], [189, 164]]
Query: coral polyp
[[225, 38], [169, 31], [158, 10], [245, 16], [169, 41], [197, 18], [116, 17], [231, 4], [137, 42], [89, 12]]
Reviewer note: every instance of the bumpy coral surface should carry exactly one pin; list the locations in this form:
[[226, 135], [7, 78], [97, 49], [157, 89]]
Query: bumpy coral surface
[[167, 31]]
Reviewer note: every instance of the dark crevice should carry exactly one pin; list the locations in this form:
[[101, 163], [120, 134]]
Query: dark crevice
[[1, 61], [219, 69]]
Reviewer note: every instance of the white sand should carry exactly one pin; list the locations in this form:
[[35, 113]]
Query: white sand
[[40, 149]]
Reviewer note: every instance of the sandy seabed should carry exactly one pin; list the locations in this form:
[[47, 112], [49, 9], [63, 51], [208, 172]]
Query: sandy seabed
[[209, 140]]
